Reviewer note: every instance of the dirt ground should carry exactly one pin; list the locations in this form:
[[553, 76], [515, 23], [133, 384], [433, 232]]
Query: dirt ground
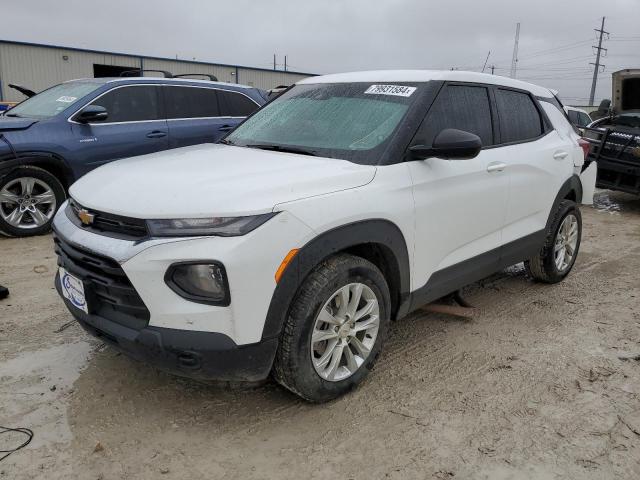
[[544, 383]]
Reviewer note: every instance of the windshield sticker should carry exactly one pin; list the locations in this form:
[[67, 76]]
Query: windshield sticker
[[65, 99], [397, 90]]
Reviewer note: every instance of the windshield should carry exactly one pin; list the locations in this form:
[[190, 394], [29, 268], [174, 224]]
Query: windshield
[[54, 100], [351, 121]]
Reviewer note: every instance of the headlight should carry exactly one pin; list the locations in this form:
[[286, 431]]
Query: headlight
[[220, 226], [202, 282]]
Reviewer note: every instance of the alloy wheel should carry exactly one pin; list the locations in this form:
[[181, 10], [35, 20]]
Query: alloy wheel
[[566, 242], [345, 332], [27, 202]]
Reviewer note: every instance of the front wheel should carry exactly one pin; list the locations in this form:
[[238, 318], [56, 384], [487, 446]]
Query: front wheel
[[334, 329], [29, 198], [558, 255]]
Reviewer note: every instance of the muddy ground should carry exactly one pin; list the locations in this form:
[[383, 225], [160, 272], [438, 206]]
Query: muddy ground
[[544, 383]]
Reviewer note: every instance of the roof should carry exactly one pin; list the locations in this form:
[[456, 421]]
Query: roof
[[105, 52], [104, 80], [426, 76]]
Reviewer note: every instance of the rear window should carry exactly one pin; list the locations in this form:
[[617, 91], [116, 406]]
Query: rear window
[[519, 117], [234, 104], [191, 102], [131, 104]]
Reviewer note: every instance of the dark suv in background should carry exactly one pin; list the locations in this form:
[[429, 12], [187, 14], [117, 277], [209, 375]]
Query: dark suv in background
[[53, 138]]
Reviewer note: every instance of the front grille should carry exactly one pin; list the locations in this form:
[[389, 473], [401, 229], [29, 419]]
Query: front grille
[[108, 224], [109, 292]]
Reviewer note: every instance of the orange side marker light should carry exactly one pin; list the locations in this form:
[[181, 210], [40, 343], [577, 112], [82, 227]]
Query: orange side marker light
[[285, 262]]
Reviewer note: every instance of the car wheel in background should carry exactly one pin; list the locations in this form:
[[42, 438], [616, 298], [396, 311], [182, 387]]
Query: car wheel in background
[[29, 198], [556, 258], [334, 330]]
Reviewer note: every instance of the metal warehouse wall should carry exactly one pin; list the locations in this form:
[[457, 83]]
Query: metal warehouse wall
[[267, 79], [38, 67]]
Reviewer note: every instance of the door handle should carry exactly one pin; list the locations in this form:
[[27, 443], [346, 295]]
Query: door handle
[[496, 167], [560, 155], [156, 134], [226, 128]]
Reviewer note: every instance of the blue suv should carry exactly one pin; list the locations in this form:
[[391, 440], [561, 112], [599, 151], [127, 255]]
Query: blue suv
[[52, 139]]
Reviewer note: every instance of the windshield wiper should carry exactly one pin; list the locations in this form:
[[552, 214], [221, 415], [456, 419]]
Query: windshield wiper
[[9, 114], [282, 148], [224, 141]]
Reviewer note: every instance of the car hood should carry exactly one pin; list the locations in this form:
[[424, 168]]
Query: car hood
[[213, 180], [15, 123]]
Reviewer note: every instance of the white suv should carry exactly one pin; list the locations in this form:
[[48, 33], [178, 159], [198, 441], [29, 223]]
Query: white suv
[[349, 201]]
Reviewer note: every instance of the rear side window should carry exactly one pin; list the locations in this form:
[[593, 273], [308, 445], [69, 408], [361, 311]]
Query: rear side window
[[520, 119], [131, 104], [191, 102], [462, 107], [573, 117], [234, 104]]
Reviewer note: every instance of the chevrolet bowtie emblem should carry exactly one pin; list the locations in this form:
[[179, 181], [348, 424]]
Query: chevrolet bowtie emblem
[[85, 217]]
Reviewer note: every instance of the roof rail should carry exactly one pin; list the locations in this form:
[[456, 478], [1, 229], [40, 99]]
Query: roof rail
[[139, 72], [213, 78]]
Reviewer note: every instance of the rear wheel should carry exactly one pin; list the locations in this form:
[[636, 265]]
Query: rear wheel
[[334, 330], [558, 255], [29, 198]]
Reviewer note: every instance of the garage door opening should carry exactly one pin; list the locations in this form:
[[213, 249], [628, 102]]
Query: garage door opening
[[100, 71]]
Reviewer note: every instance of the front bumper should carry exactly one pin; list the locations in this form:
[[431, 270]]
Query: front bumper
[[193, 354]]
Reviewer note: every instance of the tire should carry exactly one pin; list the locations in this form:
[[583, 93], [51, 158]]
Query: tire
[[544, 267], [298, 364], [29, 198]]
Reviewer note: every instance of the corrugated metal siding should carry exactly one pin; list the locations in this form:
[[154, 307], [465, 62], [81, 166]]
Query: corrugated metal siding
[[266, 79], [38, 68]]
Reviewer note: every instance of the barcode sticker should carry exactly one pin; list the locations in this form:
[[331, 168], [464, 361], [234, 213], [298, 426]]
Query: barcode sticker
[[396, 90]]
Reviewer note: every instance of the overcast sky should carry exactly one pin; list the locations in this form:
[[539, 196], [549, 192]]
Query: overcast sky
[[325, 36]]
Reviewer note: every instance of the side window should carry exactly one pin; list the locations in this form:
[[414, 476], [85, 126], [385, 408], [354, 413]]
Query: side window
[[573, 117], [462, 107], [234, 104], [131, 104], [519, 118], [584, 119], [191, 102]]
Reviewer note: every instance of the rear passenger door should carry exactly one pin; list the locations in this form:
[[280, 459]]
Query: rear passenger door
[[537, 159], [200, 114], [459, 204], [135, 126]]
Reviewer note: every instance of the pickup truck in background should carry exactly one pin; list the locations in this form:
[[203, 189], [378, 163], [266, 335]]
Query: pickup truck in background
[[615, 138]]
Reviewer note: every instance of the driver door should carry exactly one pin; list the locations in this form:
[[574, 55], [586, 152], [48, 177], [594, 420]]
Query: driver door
[[460, 205]]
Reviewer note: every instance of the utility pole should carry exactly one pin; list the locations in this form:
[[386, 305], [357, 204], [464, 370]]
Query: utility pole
[[493, 67], [285, 63], [485, 61], [597, 65], [274, 61], [514, 59]]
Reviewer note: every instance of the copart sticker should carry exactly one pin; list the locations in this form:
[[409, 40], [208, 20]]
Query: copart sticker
[[65, 99], [397, 90]]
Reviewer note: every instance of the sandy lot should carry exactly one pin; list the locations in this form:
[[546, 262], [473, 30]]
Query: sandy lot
[[544, 383]]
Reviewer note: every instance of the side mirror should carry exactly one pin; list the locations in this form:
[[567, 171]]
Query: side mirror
[[449, 144], [92, 113]]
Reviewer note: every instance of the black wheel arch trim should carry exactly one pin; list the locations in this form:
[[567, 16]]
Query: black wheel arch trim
[[382, 234], [572, 185], [60, 167]]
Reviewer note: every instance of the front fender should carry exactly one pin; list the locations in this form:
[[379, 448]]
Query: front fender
[[381, 233]]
